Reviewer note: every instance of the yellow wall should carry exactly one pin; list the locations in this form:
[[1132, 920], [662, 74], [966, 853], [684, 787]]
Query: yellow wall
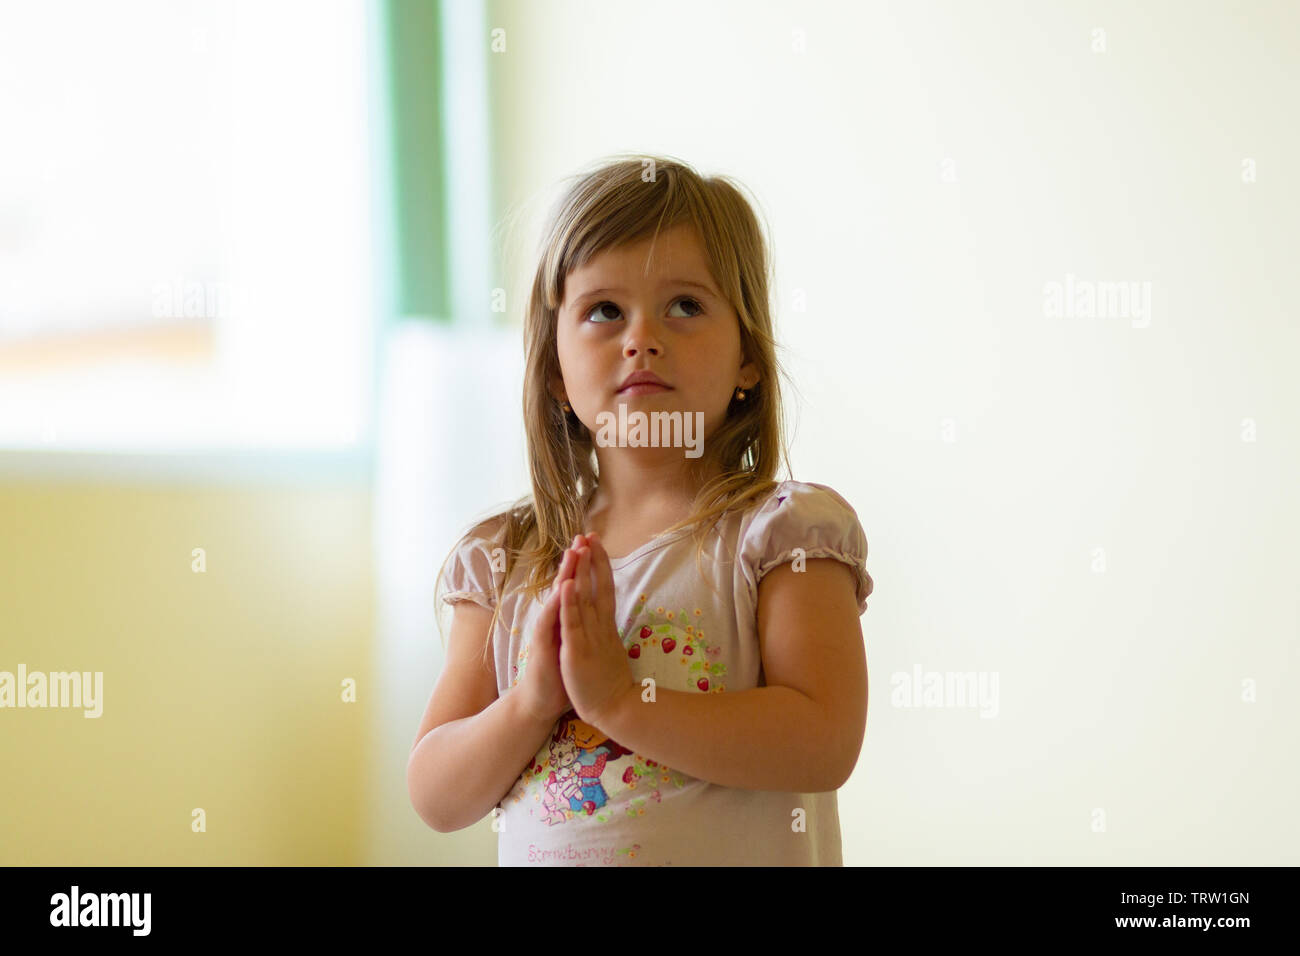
[[221, 689]]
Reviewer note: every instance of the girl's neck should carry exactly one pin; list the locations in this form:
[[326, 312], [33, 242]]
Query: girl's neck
[[642, 499]]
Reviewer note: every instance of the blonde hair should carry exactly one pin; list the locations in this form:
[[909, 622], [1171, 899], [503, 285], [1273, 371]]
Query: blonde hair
[[622, 200]]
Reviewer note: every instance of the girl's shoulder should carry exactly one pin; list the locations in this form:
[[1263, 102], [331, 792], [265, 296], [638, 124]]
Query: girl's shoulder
[[802, 520], [489, 529], [472, 570], [804, 500]]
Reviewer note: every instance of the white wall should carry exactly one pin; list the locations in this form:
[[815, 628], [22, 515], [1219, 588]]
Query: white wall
[[449, 412], [1077, 444]]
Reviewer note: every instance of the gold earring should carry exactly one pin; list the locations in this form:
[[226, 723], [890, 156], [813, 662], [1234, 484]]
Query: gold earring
[[567, 408], [740, 394]]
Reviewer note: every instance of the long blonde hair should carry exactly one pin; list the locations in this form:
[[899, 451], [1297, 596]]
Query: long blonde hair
[[622, 200]]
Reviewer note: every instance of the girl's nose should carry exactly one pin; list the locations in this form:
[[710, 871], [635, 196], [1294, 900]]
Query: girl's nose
[[644, 331], [642, 337]]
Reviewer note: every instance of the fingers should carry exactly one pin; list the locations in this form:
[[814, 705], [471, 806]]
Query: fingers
[[550, 610], [567, 563], [551, 621], [582, 578], [548, 619], [571, 620], [565, 572], [604, 578], [583, 585], [586, 593]]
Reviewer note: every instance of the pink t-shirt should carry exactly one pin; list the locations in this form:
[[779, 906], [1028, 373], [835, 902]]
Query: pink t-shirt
[[586, 800]]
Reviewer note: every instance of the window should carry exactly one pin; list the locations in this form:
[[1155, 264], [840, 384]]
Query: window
[[185, 235]]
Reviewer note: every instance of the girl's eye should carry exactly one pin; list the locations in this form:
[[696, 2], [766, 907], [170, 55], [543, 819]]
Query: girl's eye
[[698, 308], [600, 307], [608, 311]]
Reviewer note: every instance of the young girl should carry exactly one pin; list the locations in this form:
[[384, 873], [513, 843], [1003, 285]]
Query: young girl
[[641, 707]]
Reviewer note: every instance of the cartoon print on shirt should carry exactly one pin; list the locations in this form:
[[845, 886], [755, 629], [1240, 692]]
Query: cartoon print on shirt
[[562, 782], [577, 756], [594, 750], [667, 631], [568, 776]]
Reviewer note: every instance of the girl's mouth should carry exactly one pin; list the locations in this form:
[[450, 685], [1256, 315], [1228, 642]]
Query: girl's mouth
[[644, 388]]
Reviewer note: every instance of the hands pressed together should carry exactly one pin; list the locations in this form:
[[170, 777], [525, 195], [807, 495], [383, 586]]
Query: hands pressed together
[[576, 658]]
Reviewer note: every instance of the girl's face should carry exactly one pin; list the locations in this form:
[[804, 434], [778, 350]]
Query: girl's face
[[620, 317]]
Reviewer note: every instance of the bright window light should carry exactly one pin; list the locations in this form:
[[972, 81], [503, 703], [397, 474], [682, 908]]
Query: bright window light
[[184, 226]]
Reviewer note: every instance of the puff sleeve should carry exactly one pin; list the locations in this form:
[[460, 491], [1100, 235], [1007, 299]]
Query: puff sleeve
[[807, 516], [469, 575]]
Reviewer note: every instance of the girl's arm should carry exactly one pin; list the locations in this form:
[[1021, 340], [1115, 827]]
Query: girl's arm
[[803, 731], [472, 744], [459, 771]]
